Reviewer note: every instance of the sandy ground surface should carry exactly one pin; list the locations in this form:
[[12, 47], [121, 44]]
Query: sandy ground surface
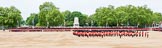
[[67, 40]]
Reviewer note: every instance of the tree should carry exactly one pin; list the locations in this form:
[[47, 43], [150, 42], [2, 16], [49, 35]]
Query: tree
[[10, 17], [104, 15], [67, 16], [55, 18], [14, 17], [49, 15], [32, 20], [139, 16]]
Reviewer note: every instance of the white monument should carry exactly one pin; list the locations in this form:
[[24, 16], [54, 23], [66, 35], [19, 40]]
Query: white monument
[[76, 22], [160, 25]]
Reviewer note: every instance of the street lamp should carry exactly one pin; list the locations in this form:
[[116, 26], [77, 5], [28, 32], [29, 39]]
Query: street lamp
[[64, 23], [106, 23], [91, 23], [18, 23], [47, 24], [87, 24], [33, 23]]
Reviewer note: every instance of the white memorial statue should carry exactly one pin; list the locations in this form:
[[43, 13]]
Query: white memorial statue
[[160, 26], [76, 22]]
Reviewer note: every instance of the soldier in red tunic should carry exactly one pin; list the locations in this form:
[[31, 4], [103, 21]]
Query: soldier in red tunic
[[139, 34], [136, 33], [120, 35], [142, 33], [79, 34], [116, 33], [102, 34], [147, 34], [125, 33]]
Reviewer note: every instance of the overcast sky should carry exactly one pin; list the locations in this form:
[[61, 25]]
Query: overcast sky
[[85, 6]]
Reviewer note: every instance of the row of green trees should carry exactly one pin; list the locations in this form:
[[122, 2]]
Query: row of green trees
[[128, 15], [125, 15], [50, 15], [10, 17]]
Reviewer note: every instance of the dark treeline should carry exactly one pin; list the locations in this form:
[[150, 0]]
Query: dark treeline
[[50, 15]]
